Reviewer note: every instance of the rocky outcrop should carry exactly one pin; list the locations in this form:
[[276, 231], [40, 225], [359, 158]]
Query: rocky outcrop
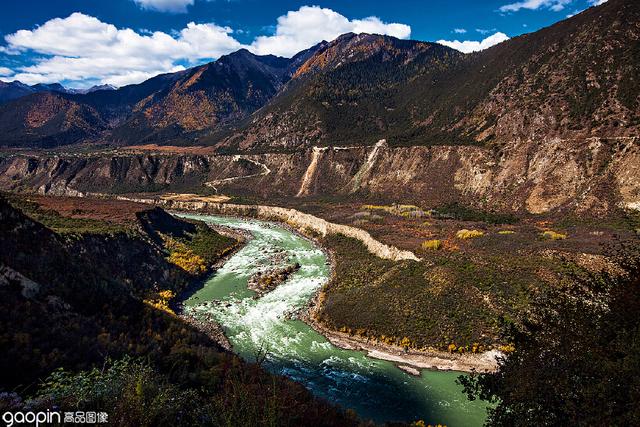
[[592, 177]]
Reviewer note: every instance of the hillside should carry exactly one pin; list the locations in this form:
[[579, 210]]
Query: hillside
[[175, 107], [575, 79], [48, 119], [92, 294]]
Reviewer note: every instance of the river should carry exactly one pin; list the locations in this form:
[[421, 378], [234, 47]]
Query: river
[[375, 389]]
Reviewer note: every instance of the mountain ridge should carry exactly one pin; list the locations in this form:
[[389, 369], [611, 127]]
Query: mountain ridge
[[555, 83]]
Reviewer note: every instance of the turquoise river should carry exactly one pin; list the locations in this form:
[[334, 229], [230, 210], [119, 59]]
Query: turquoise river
[[375, 389]]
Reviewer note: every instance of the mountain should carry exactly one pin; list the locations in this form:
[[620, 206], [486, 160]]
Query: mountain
[[205, 98], [13, 90], [347, 92], [16, 89], [175, 107], [577, 78], [48, 119], [93, 88]]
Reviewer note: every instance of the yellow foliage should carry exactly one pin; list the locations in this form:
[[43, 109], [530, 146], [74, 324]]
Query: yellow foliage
[[469, 234], [405, 342], [452, 347], [162, 301], [509, 348], [184, 257], [166, 295], [432, 244], [552, 235], [504, 232]]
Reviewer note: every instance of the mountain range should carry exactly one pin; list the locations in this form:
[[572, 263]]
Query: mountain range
[[17, 89], [577, 78]]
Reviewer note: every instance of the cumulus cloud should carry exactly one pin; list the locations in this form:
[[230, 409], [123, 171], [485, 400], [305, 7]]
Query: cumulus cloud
[[82, 50], [302, 28], [555, 5], [469, 46], [4, 71], [172, 6]]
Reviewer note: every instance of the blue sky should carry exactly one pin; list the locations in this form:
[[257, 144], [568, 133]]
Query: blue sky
[[85, 42]]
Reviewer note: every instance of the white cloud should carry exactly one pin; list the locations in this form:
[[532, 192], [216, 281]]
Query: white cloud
[[173, 6], [459, 30], [484, 32], [4, 71], [469, 46], [302, 28], [555, 5], [82, 50]]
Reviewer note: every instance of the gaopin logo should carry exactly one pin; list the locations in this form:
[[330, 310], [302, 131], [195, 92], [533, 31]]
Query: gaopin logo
[[32, 418]]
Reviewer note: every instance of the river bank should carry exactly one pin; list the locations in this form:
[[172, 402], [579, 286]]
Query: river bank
[[410, 361]]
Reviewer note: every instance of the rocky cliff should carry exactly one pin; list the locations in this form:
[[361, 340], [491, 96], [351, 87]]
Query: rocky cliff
[[593, 176]]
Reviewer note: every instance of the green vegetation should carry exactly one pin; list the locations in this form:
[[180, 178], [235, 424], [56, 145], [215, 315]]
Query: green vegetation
[[432, 244], [191, 245], [464, 213], [407, 211], [64, 224], [449, 299], [576, 358], [465, 234]]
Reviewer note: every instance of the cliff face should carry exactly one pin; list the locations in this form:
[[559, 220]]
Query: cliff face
[[588, 176]]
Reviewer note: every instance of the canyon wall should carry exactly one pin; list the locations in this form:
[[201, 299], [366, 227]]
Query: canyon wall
[[588, 176]]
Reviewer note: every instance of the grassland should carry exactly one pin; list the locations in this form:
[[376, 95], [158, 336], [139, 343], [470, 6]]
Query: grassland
[[478, 272]]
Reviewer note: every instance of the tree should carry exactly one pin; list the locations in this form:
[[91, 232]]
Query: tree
[[576, 359]]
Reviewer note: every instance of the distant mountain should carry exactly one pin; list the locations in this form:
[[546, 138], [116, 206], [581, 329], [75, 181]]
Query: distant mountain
[[575, 79], [48, 119], [92, 89], [176, 107], [16, 89], [13, 90]]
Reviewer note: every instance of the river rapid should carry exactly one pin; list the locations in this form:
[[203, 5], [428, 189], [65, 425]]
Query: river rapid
[[375, 389]]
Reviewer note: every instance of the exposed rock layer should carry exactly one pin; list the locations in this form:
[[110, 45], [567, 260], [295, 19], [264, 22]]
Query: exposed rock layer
[[591, 176]]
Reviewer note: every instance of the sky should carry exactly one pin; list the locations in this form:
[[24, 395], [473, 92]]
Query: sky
[[80, 43]]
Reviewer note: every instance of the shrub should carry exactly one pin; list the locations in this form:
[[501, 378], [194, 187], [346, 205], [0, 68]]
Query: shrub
[[469, 234], [505, 232], [185, 258], [161, 302], [432, 244], [552, 235]]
